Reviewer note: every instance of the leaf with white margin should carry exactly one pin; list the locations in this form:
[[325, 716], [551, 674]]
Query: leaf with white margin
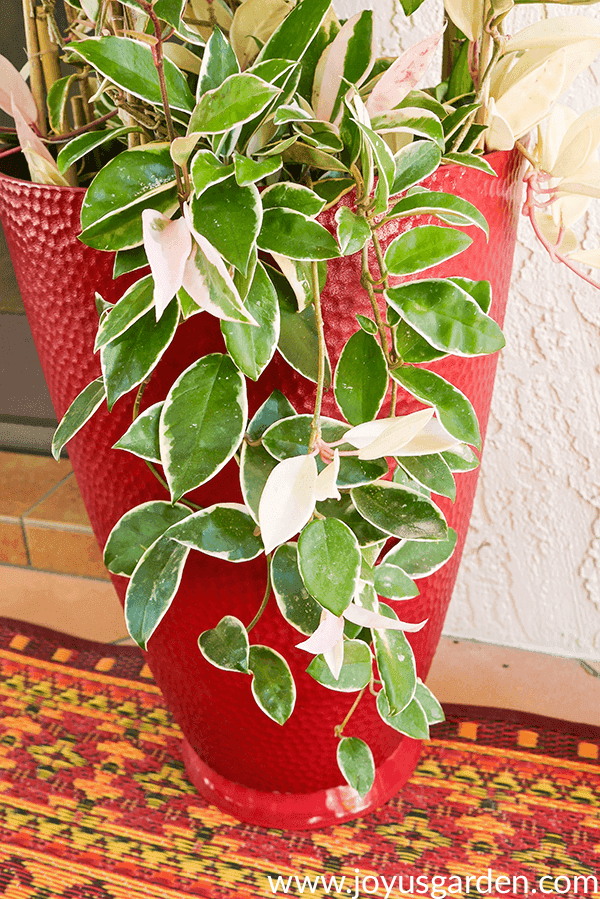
[[334, 659], [14, 91], [468, 15], [326, 98], [355, 761], [141, 437], [325, 485], [329, 561], [224, 530], [293, 599], [79, 412], [253, 23], [358, 615], [287, 501], [403, 428], [273, 686], [499, 135], [420, 558], [355, 673], [168, 245], [226, 645], [152, 587], [396, 663], [433, 710], [136, 531], [402, 76]]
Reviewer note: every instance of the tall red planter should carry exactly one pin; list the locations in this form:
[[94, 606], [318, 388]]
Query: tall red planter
[[261, 772]]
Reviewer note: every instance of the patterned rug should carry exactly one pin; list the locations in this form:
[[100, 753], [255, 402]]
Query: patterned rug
[[95, 804]]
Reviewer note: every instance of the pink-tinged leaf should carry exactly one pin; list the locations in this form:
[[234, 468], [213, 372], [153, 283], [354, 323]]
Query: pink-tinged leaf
[[402, 76], [42, 167], [433, 438], [399, 432], [329, 632], [326, 94], [288, 500], [364, 618], [14, 89], [326, 484], [168, 245], [334, 658]]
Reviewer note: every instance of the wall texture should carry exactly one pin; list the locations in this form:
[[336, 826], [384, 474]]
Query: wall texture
[[530, 574]]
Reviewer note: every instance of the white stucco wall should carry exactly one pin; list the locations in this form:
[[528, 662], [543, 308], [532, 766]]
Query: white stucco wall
[[530, 573]]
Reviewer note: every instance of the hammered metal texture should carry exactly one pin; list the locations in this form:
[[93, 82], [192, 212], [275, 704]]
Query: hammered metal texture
[[58, 277]]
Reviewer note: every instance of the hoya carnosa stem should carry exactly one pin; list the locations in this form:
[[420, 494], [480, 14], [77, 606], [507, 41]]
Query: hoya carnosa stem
[[339, 728], [315, 429], [266, 596]]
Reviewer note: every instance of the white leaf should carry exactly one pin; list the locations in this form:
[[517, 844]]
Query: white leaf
[[42, 167], [398, 433], [255, 19], [402, 76], [287, 266], [329, 632], [433, 438], [287, 501], [168, 245], [467, 15], [326, 484], [334, 658], [553, 33], [551, 230], [499, 135], [364, 618], [587, 257], [14, 89], [530, 100]]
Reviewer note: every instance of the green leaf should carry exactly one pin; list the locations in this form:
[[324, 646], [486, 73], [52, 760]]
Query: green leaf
[[432, 471], [480, 291], [447, 317], [79, 412], [129, 261], [56, 99], [355, 672], [249, 171], [367, 324], [421, 558], [293, 234], [355, 761], [207, 170], [453, 122], [422, 247], [137, 531], [237, 100], [433, 710], [134, 303], [238, 207], [399, 512], [129, 65], [332, 189], [272, 683], [251, 347], [223, 299], [396, 664], [292, 196], [128, 359], [393, 583], [218, 63], [405, 480], [298, 336], [417, 99], [301, 154], [295, 602], [329, 563], [202, 422], [454, 410], [85, 143], [461, 458], [361, 378], [290, 436], [438, 203], [226, 646], [141, 438], [411, 120], [412, 347], [344, 509], [225, 531], [135, 180], [386, 167], [171, 11], [276, 407], [353, 231], [152, 588], [295, 34], [470, 162], [411, 721]]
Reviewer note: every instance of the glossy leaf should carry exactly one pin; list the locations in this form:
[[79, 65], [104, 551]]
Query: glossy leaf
[[249, 171], [355, 672], [461, 458], [237, 100], [421, 558], [447, 317], [433, 202], [152, 588], [141, 438], [290, 436], [402, 76], [392, 582], [207, 169], [422, 247], [347, 61], [470, 162], [250, 347], [344, 509], [412, 347], [293, 234], [56, 100], [331, 190], [295, 603], [210, 395], [218, 63], [396, 664], [355, 761], [480, 291], [226, 646], [361, 378], [129, 65], [411, 721], [292, 196], [288, 500], [329, 563], [432, 472], [386, 167], [295, 34], [225, 531], [80, 146], [79, 412], [399, 512], [137, 531], [256, 464], [353, 231], [301, 154], [433, 710], [409, 120], [14, 89], [273, 686], [128, 359], [454, 409], [243, 210], [134, 303]]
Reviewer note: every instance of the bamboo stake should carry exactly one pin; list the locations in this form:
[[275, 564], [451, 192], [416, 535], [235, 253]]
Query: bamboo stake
[[36, 77], [48, 49]]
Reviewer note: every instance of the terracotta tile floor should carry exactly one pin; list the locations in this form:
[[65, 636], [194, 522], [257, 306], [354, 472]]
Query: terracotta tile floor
[[51, 574]]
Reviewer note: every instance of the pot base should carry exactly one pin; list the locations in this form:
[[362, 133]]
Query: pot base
[[302, 811]]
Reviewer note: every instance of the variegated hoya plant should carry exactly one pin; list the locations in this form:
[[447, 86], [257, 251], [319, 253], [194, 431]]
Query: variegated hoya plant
[[179, 116]]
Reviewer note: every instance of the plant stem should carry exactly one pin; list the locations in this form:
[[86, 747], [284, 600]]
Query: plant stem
[[36, 77], [339, 728], [61, 138], [368, 286], [315, 428], [265, 600]]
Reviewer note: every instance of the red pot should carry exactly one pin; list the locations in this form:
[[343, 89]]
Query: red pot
[[237, 757]]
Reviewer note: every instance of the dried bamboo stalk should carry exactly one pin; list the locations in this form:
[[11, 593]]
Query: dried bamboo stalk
[[36, 77]]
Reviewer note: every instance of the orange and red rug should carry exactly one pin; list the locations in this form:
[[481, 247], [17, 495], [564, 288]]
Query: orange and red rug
[[95, 804]]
